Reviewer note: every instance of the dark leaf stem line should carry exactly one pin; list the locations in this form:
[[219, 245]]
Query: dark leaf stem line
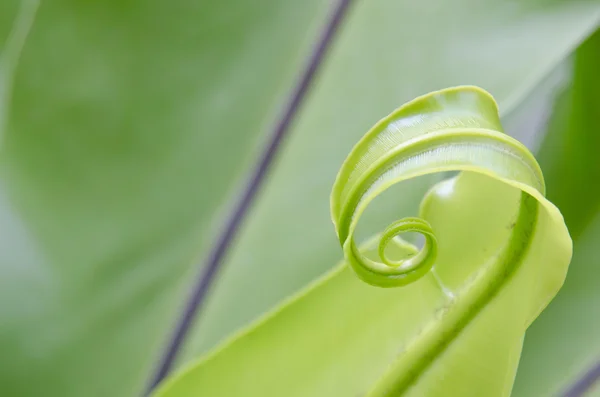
[[584, 384], [214, 260]]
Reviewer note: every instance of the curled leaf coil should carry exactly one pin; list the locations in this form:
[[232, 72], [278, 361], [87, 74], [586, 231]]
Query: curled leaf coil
[[492, 276], [455, 129]]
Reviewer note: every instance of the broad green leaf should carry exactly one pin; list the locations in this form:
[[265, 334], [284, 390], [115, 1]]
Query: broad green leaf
[[128, 124], [563, 344], [567, 154], [131, 122], [495, 253], [389, 52]]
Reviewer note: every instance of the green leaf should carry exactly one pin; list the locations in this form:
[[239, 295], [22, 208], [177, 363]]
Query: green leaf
[[563, 344], [389, 52], [131, 122], [119, 152], [496, 251]]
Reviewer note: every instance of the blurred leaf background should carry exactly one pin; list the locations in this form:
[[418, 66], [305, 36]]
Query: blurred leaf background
[[129, 127]]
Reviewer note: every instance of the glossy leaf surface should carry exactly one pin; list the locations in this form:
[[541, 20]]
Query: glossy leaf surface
[[499, 252]]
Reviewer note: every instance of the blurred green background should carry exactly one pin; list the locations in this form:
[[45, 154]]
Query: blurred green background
[[128, 128]]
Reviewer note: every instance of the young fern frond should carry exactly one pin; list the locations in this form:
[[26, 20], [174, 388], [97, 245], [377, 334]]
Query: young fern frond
[[456, 129], [495, 253]]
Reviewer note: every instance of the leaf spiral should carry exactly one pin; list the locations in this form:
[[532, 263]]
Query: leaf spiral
[[492, 276], [455, 129]]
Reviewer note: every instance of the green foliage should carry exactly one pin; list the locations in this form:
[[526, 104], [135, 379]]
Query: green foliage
[[412, 48], [116, 160], [563, 343], [500, 249], [127, 126]]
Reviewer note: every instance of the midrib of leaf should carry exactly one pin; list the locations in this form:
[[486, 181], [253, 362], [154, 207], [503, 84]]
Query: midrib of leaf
[[217, 333], [470, 301], [464, 312], [436, 336], [9, 57], [381, 159], [232, 223]]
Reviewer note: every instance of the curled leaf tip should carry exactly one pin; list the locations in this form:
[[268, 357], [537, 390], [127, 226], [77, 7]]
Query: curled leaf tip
[[455, 129]]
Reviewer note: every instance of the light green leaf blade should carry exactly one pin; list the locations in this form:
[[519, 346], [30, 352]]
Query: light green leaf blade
[[563, 344], [122, 110], [501, 254], [388, 52], [117, 159]]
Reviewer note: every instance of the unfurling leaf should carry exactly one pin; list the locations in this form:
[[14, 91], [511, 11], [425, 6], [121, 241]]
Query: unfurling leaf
[[495, 253]]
